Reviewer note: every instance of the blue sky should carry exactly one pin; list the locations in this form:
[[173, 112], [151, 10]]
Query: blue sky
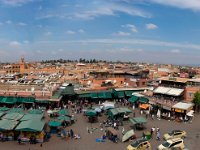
[[159, 31]]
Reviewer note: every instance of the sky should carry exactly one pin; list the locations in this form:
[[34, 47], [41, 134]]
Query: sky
[[154, 31]]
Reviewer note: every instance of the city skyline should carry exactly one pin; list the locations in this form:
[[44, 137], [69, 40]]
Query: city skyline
[[155, 31]]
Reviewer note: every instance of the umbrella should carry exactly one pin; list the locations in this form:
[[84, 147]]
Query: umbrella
[[64, 118], [54, 123], [91, 113], [63, 112], [108, 107], [127, 135]]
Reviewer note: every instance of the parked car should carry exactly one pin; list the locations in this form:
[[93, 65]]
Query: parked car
[[141, 144], [174, 134], [172, 144]]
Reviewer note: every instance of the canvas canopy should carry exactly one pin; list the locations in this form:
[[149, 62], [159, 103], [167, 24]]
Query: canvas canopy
[[64, 118], [128, 135], [168, 91], [25, 99], [105, 95], [117, 111], [43, 101], [144, 106], [63, 112], [143, 100], [13, 116], [84, 95], [183, 106], [138, 120], [16, 110], [7, 125], [9, 100], [32, 117], [133, 99], [4, 108], [31, 126], [91, 113], [35, 111], [54, 123], [1, 113]]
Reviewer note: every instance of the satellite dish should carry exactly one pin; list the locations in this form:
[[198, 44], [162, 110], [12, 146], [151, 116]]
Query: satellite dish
[[114, 81], [89, 82], [32, 89]]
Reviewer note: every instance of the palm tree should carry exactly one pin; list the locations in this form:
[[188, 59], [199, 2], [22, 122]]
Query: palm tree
[[196, 101]]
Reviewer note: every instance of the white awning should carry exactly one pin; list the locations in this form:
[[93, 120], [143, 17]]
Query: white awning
[[138, 94], [175, 91], [168, 91], [161, 90], [183, 106]]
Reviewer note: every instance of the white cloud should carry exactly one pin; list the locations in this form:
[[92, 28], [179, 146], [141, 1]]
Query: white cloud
[[111, 10], [81, 31], [15, 44], [151, 26], [94, 9], [121, 33], [48, 33], [184, 4], [131, 27], [133, 42], [22, 24], [8, 22], [70, 32], [15, 2], [175, 51]]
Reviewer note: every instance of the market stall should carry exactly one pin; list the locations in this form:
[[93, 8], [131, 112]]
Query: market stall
[[31, 130], [6, 129], [138, 122]]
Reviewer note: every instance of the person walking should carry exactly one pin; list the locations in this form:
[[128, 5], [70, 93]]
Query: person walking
[[71, 133], [152, 132], [158, 134], [123, 130]]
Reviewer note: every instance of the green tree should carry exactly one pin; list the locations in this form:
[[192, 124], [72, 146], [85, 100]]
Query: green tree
[[196, 101]]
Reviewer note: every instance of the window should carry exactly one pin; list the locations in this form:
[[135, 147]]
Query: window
[[191, 95], [178, 133], [176, 143]]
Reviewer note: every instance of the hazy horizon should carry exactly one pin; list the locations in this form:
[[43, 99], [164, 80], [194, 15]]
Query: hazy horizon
[[154, 31]]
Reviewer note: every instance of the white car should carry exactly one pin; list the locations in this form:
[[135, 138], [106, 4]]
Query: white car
[[172, 144]]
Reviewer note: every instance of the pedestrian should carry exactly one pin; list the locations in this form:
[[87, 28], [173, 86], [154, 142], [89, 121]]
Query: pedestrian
[[123, 130], [115, 125], [141, 112], [152, 116], [158, 134], [152, 132], [147, 114], [71, 133], [133, 113]]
